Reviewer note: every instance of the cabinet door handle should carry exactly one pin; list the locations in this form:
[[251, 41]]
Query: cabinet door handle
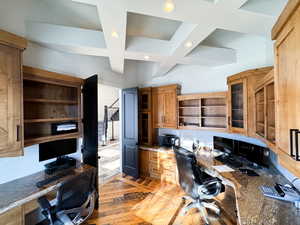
[[292, 137], [228, 120], [18, 133]]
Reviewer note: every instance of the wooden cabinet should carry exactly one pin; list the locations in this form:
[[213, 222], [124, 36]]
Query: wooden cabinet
[[145, 116], [203, 111], [145, 99], [286, 32], [265, 109], [159, 165], [164, 102], [50, 98], [238, 106], [241, 94], [14, 216], [11, 110]]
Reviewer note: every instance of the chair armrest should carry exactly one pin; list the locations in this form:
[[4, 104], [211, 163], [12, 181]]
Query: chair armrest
[[44, 203], [46, 208], [203, 188]]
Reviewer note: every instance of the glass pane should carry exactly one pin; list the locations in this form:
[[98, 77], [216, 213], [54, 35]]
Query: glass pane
[[237, 105]]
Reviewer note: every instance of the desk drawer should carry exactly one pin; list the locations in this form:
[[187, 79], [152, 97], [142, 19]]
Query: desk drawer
[[14, 216]]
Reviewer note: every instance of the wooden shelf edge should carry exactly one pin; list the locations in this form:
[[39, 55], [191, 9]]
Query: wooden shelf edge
[[41, 100], [39, 140], [51, 120]]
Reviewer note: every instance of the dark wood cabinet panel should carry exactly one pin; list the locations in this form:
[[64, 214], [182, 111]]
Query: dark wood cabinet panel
[[11, 121]]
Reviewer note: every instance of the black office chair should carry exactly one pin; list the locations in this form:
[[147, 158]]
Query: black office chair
[[74, 203], [198, 185]]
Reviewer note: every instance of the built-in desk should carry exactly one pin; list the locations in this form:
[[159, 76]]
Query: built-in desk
[[15, 194], [254, 208]]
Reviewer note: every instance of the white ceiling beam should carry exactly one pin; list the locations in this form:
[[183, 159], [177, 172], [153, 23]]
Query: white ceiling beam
[[88, 2], [196, 35], [113, 18], [90, 42], [232, 4]]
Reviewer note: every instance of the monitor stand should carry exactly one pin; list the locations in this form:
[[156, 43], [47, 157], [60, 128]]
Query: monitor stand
[[61, 163]]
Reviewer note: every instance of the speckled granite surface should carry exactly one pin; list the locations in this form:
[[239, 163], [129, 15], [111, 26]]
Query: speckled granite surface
[[156, 149], [253, 207], [20, 191]]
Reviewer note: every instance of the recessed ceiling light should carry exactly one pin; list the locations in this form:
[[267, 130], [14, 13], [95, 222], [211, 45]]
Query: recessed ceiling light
[[188, 44], [146, 57], [114, 34], [169, 6]]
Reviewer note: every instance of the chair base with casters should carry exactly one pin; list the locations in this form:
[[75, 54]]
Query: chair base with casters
[[201, 206]]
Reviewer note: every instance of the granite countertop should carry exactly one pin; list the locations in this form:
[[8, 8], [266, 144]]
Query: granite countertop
[[23, 190], [253, 207], [156, 149]]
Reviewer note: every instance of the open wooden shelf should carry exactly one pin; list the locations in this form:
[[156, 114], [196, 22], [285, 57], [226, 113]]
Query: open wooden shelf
[[51, 120], [43, 100], [42, 139], [49, 98], [189, 107], [209, 109], [265, 109]]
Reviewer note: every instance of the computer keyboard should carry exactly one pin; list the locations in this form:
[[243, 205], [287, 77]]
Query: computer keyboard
[[230, 162], [51, 179], [269, 191]]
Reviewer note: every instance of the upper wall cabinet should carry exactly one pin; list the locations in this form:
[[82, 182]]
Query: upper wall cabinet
[[164, 102], [49, 99], [265, 109], [203, 111], [11, 110], [145, 116], [286, 32], [241, 100]]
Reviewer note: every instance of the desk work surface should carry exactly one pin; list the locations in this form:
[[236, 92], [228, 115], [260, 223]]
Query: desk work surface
[[23, 190], [253, 207]]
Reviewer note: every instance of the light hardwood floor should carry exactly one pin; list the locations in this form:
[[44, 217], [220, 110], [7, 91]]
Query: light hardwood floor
[[146, 201]]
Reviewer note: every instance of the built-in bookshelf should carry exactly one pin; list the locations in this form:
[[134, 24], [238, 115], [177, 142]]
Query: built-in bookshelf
[[49, 98], [202, 111], [265, 108]]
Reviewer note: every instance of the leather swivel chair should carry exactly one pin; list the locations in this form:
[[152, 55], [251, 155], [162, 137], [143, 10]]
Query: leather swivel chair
[[74, 203], [198, 185]]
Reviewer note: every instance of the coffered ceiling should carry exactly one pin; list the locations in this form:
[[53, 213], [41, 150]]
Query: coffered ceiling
[[142, 30]]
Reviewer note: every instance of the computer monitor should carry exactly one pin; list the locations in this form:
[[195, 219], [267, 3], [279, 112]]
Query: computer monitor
[[224, 144], [57, 149]]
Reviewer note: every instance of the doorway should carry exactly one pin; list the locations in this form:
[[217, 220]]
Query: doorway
[[108, 132]]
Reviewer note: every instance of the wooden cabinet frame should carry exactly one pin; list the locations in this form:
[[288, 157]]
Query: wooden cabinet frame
[[248, 79], [11, 107], [238, 130], [263, 85], [164, 116], [48, 79]]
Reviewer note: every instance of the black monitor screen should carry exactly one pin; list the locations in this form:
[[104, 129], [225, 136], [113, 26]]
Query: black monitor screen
[[224, 144], [56, 149]]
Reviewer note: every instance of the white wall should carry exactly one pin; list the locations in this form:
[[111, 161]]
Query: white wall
[[79, 65], [12, 168]]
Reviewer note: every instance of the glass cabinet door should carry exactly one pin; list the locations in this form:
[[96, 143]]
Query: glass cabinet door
[[237, 105]]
